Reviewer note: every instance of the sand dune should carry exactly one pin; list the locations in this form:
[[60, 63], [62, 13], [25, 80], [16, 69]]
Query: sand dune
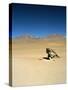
[[28, 66]]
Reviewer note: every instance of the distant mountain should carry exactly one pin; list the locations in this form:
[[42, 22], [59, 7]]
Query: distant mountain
[[50, 37], [26, 37], [55, 36]]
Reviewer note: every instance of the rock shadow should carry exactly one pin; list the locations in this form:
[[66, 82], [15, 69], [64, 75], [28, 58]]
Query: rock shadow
[[45, 58]]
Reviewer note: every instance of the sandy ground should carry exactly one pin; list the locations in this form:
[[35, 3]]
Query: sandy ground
[[30, 69]]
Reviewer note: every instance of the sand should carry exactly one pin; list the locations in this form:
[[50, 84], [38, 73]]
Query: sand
[[29, 67]]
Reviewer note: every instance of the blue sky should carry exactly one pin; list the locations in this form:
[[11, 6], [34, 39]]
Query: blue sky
[[38, 20]]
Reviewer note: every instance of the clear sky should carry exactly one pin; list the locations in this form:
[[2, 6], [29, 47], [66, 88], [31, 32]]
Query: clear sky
[[38, 20]]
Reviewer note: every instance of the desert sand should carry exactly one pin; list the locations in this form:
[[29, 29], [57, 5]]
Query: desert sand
[[29, 67]]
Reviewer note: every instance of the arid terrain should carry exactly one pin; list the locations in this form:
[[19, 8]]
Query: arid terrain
[[28, 65]]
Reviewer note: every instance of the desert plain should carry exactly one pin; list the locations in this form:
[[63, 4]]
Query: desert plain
[[30, 68]]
